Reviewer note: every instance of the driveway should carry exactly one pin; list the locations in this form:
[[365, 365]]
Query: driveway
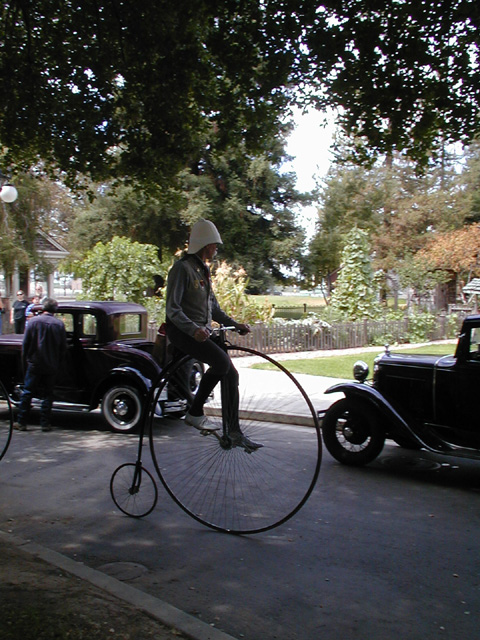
[[387, 552]]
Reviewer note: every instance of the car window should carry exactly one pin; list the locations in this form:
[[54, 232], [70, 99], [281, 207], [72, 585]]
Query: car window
[[475, 343], [88, 325], [67, 319], [130, 324]]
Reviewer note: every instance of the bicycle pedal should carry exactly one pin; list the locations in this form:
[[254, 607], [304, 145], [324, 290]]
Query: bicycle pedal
[[208, 432]]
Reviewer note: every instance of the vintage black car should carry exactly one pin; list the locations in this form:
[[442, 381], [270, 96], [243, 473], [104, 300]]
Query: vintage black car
[[419, 401], [109, 363]]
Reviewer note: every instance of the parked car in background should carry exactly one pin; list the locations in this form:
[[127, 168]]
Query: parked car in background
[[419, 401], [109, 363]]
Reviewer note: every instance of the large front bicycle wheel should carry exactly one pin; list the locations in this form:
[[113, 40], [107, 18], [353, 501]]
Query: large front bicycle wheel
[[226, 486], [6, 421]]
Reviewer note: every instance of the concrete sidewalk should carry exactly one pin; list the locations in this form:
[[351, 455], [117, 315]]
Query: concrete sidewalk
[[314, 386], [44, 594]]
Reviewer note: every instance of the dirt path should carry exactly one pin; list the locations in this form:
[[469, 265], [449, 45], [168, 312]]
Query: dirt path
[[41, 602]]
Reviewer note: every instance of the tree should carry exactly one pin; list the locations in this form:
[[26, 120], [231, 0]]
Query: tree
[[118, 270], [42, 204], [416, 273], [456, 252], [405, 74], [354, 295], [129, 89], [398, 207], [253, 204], [128, 212]]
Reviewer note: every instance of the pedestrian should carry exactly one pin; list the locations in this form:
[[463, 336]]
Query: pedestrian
[[29, 310], [191, 306], [44, 346], [17, 313], [39, 292]]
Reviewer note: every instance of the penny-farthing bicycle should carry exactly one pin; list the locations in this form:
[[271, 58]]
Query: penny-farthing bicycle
[[6, 421], [210, 475]]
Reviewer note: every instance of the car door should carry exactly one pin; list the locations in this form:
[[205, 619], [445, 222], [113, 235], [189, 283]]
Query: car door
[[456, 392], [75, 381]]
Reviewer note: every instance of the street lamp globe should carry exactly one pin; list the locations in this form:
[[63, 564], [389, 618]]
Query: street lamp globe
[[8, 193]]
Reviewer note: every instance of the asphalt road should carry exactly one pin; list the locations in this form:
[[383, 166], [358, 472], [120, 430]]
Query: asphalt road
[[386, 552]]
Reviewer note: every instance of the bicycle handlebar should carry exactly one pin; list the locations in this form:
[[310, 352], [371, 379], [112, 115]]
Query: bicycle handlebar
[[218, 330]]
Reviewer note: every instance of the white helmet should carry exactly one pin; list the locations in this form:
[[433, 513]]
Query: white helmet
[[203, 232]]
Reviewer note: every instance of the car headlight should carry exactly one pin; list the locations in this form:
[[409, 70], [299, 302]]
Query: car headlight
[[360, 371]]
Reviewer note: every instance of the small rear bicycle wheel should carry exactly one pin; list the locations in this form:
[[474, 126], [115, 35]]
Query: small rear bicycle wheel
[[6, 421], [230, 488], [133, 490]]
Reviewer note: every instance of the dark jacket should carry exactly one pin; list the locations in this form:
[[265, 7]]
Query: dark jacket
[[44, 344], [191, 302]]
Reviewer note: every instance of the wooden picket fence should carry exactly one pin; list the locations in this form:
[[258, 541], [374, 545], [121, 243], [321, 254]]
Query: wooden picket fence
[[291, 338]]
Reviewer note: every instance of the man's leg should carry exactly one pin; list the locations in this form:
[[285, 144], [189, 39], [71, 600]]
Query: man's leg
[[207, 352], [25, 401], [48, 383]]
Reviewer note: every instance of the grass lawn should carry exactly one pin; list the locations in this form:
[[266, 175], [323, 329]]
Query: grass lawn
[[342, 366], [292, 301]]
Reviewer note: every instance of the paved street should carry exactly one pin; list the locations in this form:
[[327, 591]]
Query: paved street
[[385, 552]]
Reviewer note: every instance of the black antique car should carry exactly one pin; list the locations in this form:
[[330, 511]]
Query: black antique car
[[418, 401], [109, 363]]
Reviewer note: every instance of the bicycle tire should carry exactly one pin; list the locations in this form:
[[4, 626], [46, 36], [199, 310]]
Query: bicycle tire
[[6, 421], [134, 495], [227, 488]]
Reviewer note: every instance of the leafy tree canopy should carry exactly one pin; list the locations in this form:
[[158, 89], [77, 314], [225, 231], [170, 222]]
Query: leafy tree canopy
[[399, 208], [117, 270], [455, 252], [129, 90]]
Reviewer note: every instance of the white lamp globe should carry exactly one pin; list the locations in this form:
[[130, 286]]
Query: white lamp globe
[[8, 193]]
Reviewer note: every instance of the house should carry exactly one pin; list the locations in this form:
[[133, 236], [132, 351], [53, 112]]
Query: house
[[50, 252]]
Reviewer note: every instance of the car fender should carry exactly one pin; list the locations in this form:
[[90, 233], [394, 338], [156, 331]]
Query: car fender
[[369, 395], [124, 375]]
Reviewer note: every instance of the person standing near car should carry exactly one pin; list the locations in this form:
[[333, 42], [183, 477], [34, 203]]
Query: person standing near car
[[29, 310], [17, 313], [44, 347], [191, 307]]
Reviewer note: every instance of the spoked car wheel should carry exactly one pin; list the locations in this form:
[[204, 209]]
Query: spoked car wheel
[[351, 433], [223, 482], [122, 408]]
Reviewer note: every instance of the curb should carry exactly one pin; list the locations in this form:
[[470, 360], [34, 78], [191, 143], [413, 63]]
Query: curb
[[158, 609]]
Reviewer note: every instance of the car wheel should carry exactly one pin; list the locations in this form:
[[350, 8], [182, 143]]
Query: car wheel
[[192, 373], [351, 433], [122, 408]]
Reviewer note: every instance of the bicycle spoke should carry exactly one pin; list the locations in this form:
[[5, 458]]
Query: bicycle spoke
[[134, 490], [235, 488]]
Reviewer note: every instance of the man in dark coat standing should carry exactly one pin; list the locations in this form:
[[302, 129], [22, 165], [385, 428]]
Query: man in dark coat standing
[[44, 346]]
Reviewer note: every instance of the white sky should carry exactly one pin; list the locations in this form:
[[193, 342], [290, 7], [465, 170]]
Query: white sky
[[309, 144]]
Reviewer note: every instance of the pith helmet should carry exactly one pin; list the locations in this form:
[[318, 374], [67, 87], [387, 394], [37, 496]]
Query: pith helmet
[[203, 232]]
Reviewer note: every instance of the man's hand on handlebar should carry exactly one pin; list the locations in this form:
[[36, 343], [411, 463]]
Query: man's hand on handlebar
[[242, 329], [201, 334]]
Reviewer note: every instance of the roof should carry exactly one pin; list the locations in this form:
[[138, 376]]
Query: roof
[[108, 307], [49, 247], [473, 287]]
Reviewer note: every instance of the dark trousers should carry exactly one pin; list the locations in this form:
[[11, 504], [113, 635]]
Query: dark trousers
[[220, 366], [36, 385], [19, 324]]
